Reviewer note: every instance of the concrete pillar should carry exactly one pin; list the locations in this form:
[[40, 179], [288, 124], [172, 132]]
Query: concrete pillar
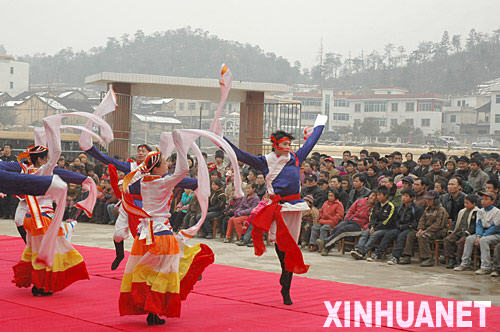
[[251, 122], [120, 121]]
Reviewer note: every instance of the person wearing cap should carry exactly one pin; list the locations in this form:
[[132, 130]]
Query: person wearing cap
[[309, 218], [477, 177], [407, 183], [381, 220], [382, 166], [282, 218], [407, 217], [359, 189], [487, 233], [424, 166], [330, 214], [395, 168], [355, 222], [454, 242], [330, 167], [431, 226]]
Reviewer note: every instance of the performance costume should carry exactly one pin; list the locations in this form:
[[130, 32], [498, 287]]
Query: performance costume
[[282, 217]]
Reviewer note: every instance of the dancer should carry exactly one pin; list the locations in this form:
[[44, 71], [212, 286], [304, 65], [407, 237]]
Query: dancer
[[161, 269], [282, 217], [68, 265], [49, 261], [22, 207]]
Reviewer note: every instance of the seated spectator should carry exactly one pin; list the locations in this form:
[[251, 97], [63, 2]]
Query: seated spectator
[[216, 206], [306, 171], [354, 223], [477, 177], [407, 217], [181, 209], [359, 188], [453, 201], [437, 172], [492, 185], [244, 207], [487, 233], [192, 213], [450, 166], [261, 185], [330, 167], [464, 226], [420, 186], [325, 176], [330, 215], [372, 175], [381, 221], [311, 188], [309, 218], [394, 193], [104, 196], [336, 183], [431, 226]]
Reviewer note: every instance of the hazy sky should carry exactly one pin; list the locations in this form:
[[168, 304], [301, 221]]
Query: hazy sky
[[289, 28]]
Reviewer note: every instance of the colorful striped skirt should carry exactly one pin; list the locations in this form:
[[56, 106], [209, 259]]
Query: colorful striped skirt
[[68, 265], [160, 275]]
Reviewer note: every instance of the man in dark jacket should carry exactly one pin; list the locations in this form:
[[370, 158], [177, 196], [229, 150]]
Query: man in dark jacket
[[336, 183], [453, 201], [407, 218], [359, 189], [431, 226], [216, 206], [311, 188], [381, 221]]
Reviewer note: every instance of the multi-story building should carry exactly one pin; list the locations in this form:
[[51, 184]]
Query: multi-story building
[[495, 110], [311, 106], [14, 75], [389, 106], [464, 117]]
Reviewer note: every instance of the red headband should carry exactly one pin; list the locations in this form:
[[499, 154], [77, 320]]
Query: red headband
[[281, 140]]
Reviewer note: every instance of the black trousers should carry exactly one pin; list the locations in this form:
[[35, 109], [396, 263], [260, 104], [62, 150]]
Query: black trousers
[[286, 276]]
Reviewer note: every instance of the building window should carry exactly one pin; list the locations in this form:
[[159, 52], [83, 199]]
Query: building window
[[382, 122], [426, 122], [409, 122], [425, 106], [410, 107], [497, 118], [341, 116], [12, 70], [375, 106], [12, 85], [394, 107], [458, 103], [357, 108], [340, 103], [498, 99], [453, 118], [191, 106], [394, 122], [181, 106], [437, 107]]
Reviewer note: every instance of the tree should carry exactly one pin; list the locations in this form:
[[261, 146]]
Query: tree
[[331, 64], [2, 49], [370, 127], [388, 49], [456, 43]]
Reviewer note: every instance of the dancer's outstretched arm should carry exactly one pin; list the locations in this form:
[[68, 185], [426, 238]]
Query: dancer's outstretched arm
[[67, 176], [256, 162], [123, 166], [305, 149]]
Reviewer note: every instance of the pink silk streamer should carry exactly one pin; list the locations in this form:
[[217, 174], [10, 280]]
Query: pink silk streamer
[[189, 136], [52, 133], [225, 82]]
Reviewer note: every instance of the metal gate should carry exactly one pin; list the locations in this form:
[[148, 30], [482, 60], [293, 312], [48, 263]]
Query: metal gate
[[282, 116]]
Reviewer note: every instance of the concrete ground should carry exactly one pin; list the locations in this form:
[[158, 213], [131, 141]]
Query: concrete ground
[[435, 281]]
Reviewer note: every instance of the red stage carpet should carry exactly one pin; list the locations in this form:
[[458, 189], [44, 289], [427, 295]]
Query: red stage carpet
[[227, 299]]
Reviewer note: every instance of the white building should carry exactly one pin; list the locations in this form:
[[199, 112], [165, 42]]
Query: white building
[[390, 106], [311, 106], [14, 75], [462, 116], [495, 111]]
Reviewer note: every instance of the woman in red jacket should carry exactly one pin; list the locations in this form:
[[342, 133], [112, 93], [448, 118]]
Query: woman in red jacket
[[331, 213]]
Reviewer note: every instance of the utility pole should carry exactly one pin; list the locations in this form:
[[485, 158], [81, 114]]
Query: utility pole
[[199, 139]]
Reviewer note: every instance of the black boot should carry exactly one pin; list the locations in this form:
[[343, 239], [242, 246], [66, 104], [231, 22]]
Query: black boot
[[22, 232], [120, 254], [285, 279], [154, 320]]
